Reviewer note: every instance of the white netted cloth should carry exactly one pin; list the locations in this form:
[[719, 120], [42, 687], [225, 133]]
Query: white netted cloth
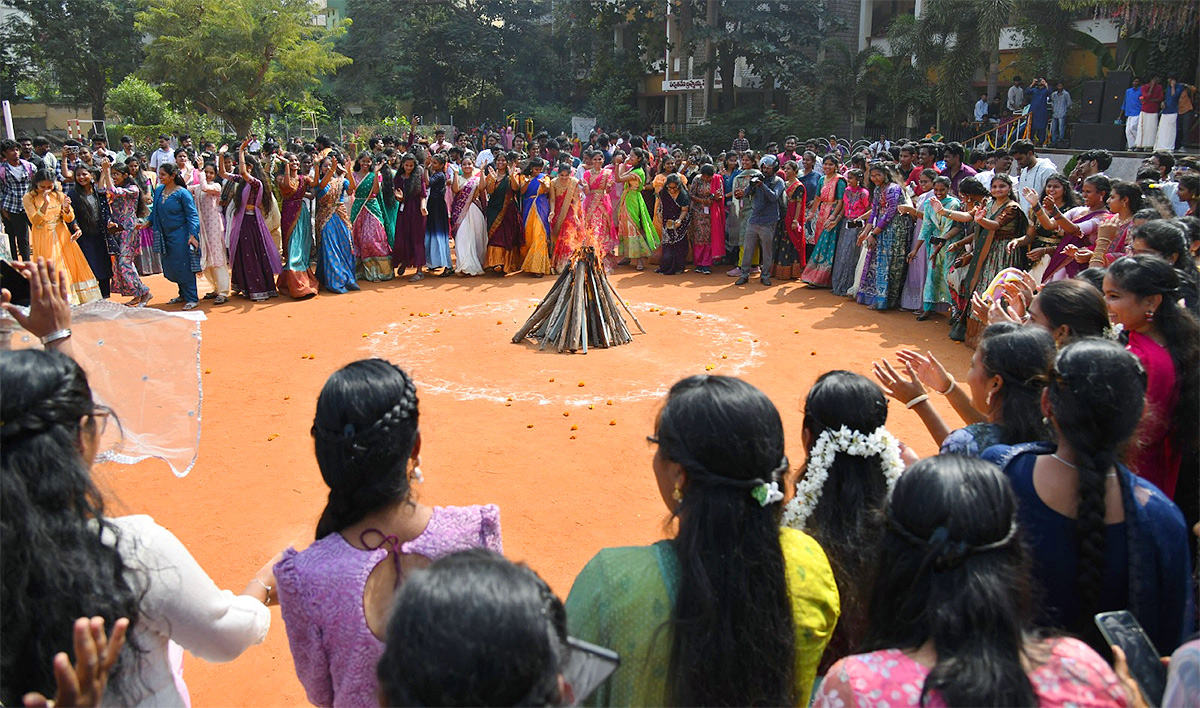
[[144, 364]]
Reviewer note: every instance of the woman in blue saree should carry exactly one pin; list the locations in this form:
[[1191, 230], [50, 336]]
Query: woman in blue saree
[[335, 263], [535, 214]]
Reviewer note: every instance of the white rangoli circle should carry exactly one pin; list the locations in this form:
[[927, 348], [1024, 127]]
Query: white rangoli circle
[[426, 343]]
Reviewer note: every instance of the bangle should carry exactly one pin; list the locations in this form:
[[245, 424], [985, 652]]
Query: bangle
[[55, 336], [949, 388], [265, 587], [918, 400]]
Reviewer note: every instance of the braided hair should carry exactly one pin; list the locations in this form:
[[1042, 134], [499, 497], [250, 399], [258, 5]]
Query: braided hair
[[1096, 392], [1021, 357], [55, 565], [732, 616], [364, 432]]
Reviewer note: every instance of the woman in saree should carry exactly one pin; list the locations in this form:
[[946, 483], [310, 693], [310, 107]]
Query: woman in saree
[[717, 213], [566, 216], [1040, 239], [856, 206], [252, 254], [718, 466], [598, 221], [667, 166], [674, 213], [1112, 237], [176, 225], [408, 248], [369, 235], [937, 231], [912, 294], [214, 254], [703, 228], [1000, 220], [1064, 228], [886, 239], [504, 237], [335, 261], [635, 228], [788, 247], [53, 235], [615, 191], [467, 221], [819, 271], [535, 215], [437, 221], [127, 207], [297, 278]]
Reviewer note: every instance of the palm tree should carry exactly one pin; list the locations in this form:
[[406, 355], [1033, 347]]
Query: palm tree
[[956, 37], [847, 78]]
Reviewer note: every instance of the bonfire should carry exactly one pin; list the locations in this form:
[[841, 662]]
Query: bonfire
[[582, 309]]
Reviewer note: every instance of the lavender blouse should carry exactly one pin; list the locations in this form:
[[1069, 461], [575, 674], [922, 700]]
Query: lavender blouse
[[321, 600]]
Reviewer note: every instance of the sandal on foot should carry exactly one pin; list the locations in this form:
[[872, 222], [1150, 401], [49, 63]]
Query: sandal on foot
[[190, 305], [175, 301], [221, 300]]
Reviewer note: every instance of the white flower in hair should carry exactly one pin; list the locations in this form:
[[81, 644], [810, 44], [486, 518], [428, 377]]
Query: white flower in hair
[[829, 443]]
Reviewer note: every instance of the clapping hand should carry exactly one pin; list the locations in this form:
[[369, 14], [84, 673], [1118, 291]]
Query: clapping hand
[[978, 213], [83, 684], [928, 369], [896, 386], [1049, 205], [49, 298]]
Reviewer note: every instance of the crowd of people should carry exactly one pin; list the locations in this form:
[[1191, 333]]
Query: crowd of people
[[1066, 488]]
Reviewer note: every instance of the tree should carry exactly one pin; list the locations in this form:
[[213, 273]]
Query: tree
[[848, 77], [236, 59], [87, 46], [137, 102], [957, 37]]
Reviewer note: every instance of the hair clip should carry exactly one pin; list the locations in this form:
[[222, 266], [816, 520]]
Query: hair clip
[[767, 493]]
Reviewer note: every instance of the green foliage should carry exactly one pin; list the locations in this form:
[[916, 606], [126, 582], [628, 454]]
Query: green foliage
[[137, 102], [809, 119], [236, 58], [84, 46]]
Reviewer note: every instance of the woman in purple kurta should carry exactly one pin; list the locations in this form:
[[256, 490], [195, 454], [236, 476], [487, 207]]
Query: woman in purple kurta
[[336, 594], [253, 254], [409, 246]]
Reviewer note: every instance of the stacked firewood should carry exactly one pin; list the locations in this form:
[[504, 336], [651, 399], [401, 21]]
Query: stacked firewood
[[582, 310]]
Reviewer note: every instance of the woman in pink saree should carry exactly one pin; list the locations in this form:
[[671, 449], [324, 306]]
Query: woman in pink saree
[[598, 220]]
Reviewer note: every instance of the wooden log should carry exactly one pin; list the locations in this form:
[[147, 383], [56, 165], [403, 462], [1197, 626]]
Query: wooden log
[[543, 310]]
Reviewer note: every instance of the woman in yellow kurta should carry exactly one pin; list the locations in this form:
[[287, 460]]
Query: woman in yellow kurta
[[51, 238], [734, 610]]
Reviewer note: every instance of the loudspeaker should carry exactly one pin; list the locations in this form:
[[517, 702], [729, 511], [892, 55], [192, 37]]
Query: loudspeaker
[[1091, 97], [1089, 136], [1115, 84]]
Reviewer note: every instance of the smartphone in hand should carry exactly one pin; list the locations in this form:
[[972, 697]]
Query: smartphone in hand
[[1122, 629]]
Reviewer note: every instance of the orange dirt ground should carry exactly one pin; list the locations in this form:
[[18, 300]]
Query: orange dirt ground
[[563, 493]]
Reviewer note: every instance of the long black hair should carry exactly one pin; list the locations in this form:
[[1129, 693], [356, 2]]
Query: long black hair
[[951, 569], [474, 629], [1168, 238], [1097, 391], [55, 565], [1021, 357], [134, 177], [845, 520], [732, 617], [256, 171], [1147, 275], [364, 432], [173, 172], [1076, 304], [87, 221]]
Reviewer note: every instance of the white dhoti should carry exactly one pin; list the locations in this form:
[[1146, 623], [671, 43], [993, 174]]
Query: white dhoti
[[1166, 131], [1131, 131], [1147, 130]]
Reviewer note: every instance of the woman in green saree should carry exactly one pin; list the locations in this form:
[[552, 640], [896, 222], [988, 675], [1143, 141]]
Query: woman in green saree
[[635, 227], [734, 610]]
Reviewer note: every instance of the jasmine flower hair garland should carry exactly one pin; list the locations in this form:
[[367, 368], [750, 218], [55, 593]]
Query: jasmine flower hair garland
[[829, 444]]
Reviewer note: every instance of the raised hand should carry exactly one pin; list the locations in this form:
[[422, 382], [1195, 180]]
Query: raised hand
[[928, 369], [900, 388]]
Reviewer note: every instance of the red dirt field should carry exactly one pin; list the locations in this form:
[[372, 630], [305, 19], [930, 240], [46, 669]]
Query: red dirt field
[[563, 493]]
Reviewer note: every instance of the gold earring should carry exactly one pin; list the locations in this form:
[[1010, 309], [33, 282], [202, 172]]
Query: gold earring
[[677, 495]]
